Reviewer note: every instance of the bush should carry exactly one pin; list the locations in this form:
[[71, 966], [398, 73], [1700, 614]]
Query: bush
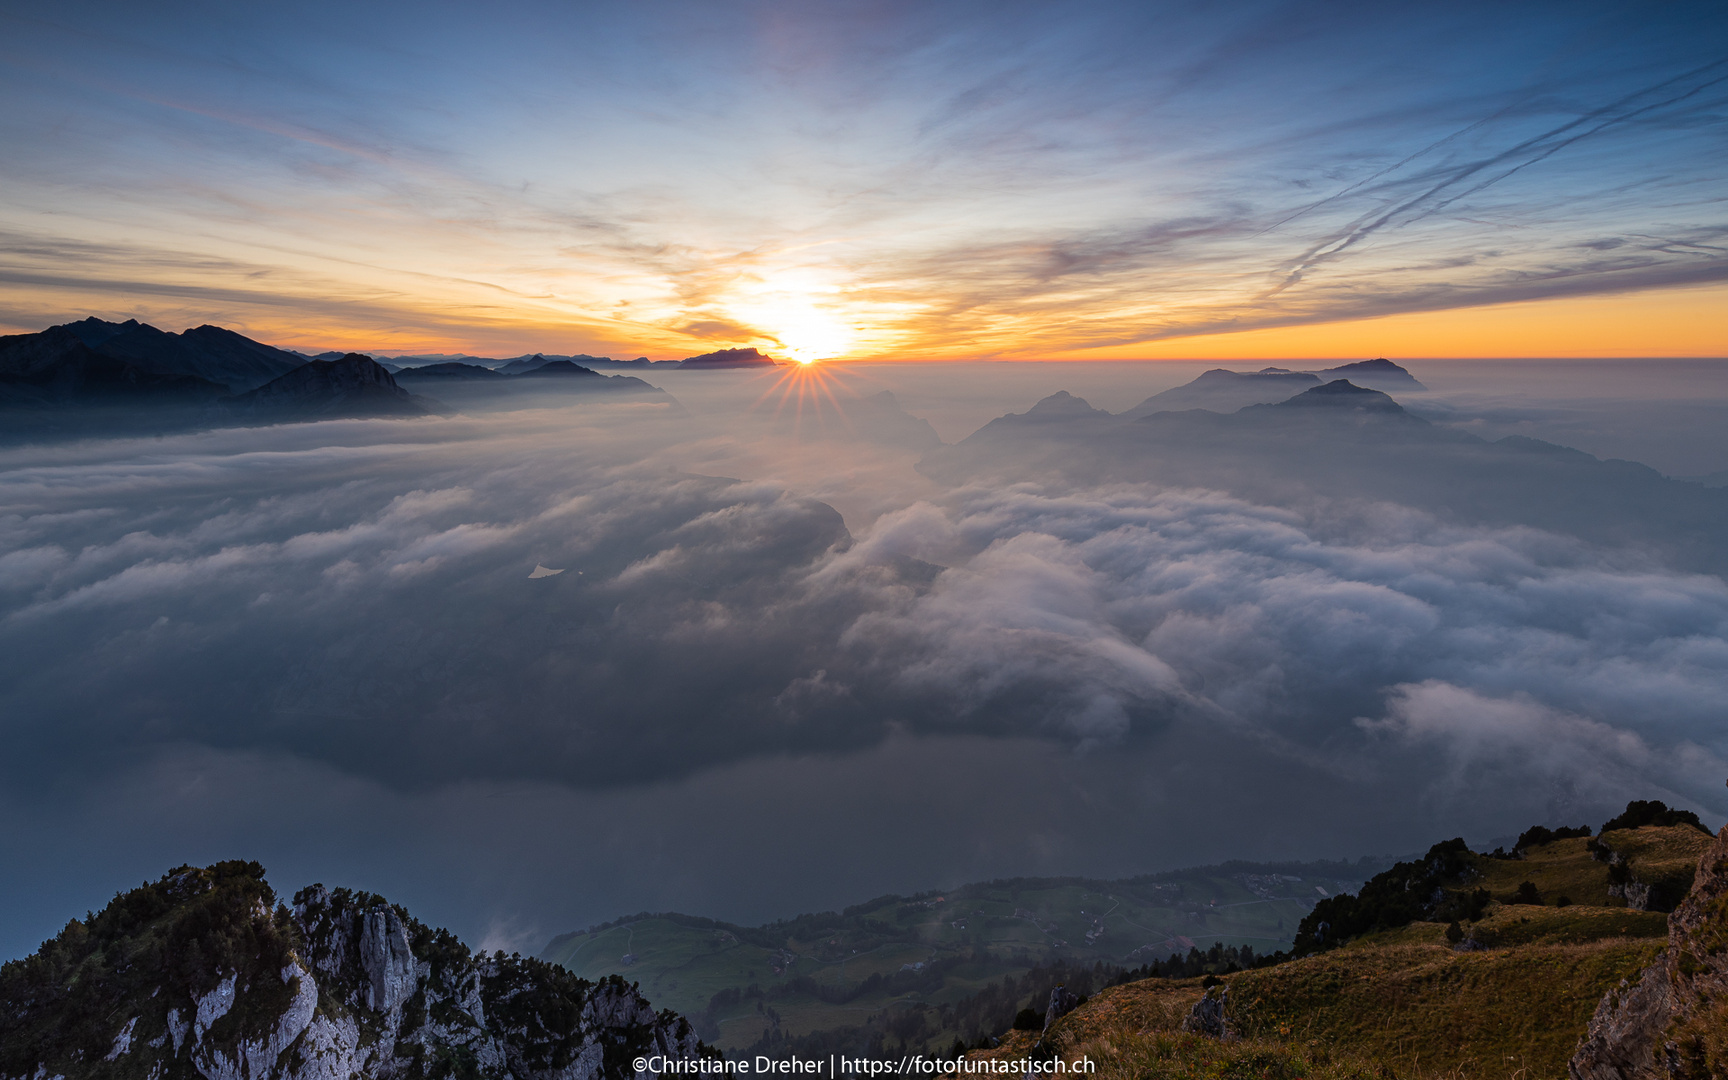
[[1454, 932], [1537, 835], [1028, 1020], [1641, 812], [1527, 893]]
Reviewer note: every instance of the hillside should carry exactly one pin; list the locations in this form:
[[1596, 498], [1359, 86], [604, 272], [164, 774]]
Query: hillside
[[205, 974], [941, 957], [1510, 992]]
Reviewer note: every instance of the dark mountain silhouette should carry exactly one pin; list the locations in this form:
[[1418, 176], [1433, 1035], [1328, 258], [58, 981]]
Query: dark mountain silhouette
[[523, 364], [1340, 394], [353, 386], [93, 331], [57, 368], [1341, 441], [728, 358], [560, 369], [450, 369], [206, 352], [470, 387], [1221, 390], [639, 362]]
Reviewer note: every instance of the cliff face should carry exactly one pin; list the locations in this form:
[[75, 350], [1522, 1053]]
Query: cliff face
[[1672, 1024], [199, 976]]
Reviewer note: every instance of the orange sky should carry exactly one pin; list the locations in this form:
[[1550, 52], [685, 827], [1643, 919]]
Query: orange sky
[[1689, 322], [1678, 322]]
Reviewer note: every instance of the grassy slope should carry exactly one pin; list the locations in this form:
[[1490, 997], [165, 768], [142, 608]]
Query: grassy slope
[[1420, 1010], [1565, 867], [1402, 1002], [985, 931], [1423, 1009]]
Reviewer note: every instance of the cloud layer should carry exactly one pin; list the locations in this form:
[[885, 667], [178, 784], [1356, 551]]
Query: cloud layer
[[324, 642]]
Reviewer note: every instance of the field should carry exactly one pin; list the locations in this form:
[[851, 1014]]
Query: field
[[915, 963]]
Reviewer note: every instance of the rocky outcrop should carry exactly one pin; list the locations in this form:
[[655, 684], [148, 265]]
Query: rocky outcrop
[[1062, 1002], [1209, 1016], [1672, 1023], [199, 975]]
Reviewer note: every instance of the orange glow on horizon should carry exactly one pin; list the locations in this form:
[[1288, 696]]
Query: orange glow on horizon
[[1677, 322], [1689, 322]]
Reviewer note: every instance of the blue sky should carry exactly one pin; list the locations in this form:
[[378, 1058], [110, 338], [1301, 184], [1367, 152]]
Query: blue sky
[[946, 179]]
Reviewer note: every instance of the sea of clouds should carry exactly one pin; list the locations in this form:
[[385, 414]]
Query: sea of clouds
[[321, 646]]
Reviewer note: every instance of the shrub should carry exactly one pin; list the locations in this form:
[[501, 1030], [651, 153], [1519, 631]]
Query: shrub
[[1642, 812], [1537, 835]]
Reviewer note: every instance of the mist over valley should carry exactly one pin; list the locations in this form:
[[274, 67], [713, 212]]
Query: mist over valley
[[805, 644]]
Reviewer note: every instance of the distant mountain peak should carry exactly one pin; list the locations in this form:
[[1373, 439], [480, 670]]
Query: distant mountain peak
[[1269, 375], [93, 331], [355, 385], [1379, 372], [555, 368], [1341, 393], [728, 358], [1063, 404]]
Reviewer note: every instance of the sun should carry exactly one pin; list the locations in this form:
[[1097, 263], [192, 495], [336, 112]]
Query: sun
[[808, 334]]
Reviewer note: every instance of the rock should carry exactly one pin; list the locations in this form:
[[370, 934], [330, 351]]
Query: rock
[[342, 984], [1672, 1022], [1635, 893], [1207, 1016], [1062, 1002]]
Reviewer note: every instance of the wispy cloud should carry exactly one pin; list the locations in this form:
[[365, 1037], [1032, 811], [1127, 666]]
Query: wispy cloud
[[944, 181]]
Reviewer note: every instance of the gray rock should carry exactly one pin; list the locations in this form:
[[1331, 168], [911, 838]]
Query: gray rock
[[1671, 1023], [1208, 1016], [1062, 1002]]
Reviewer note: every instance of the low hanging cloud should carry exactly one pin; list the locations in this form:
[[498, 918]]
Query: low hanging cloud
[[394, 625], [1138, 673], [1199, 608]]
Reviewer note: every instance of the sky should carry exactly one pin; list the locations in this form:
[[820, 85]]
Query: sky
[[885, 180]]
